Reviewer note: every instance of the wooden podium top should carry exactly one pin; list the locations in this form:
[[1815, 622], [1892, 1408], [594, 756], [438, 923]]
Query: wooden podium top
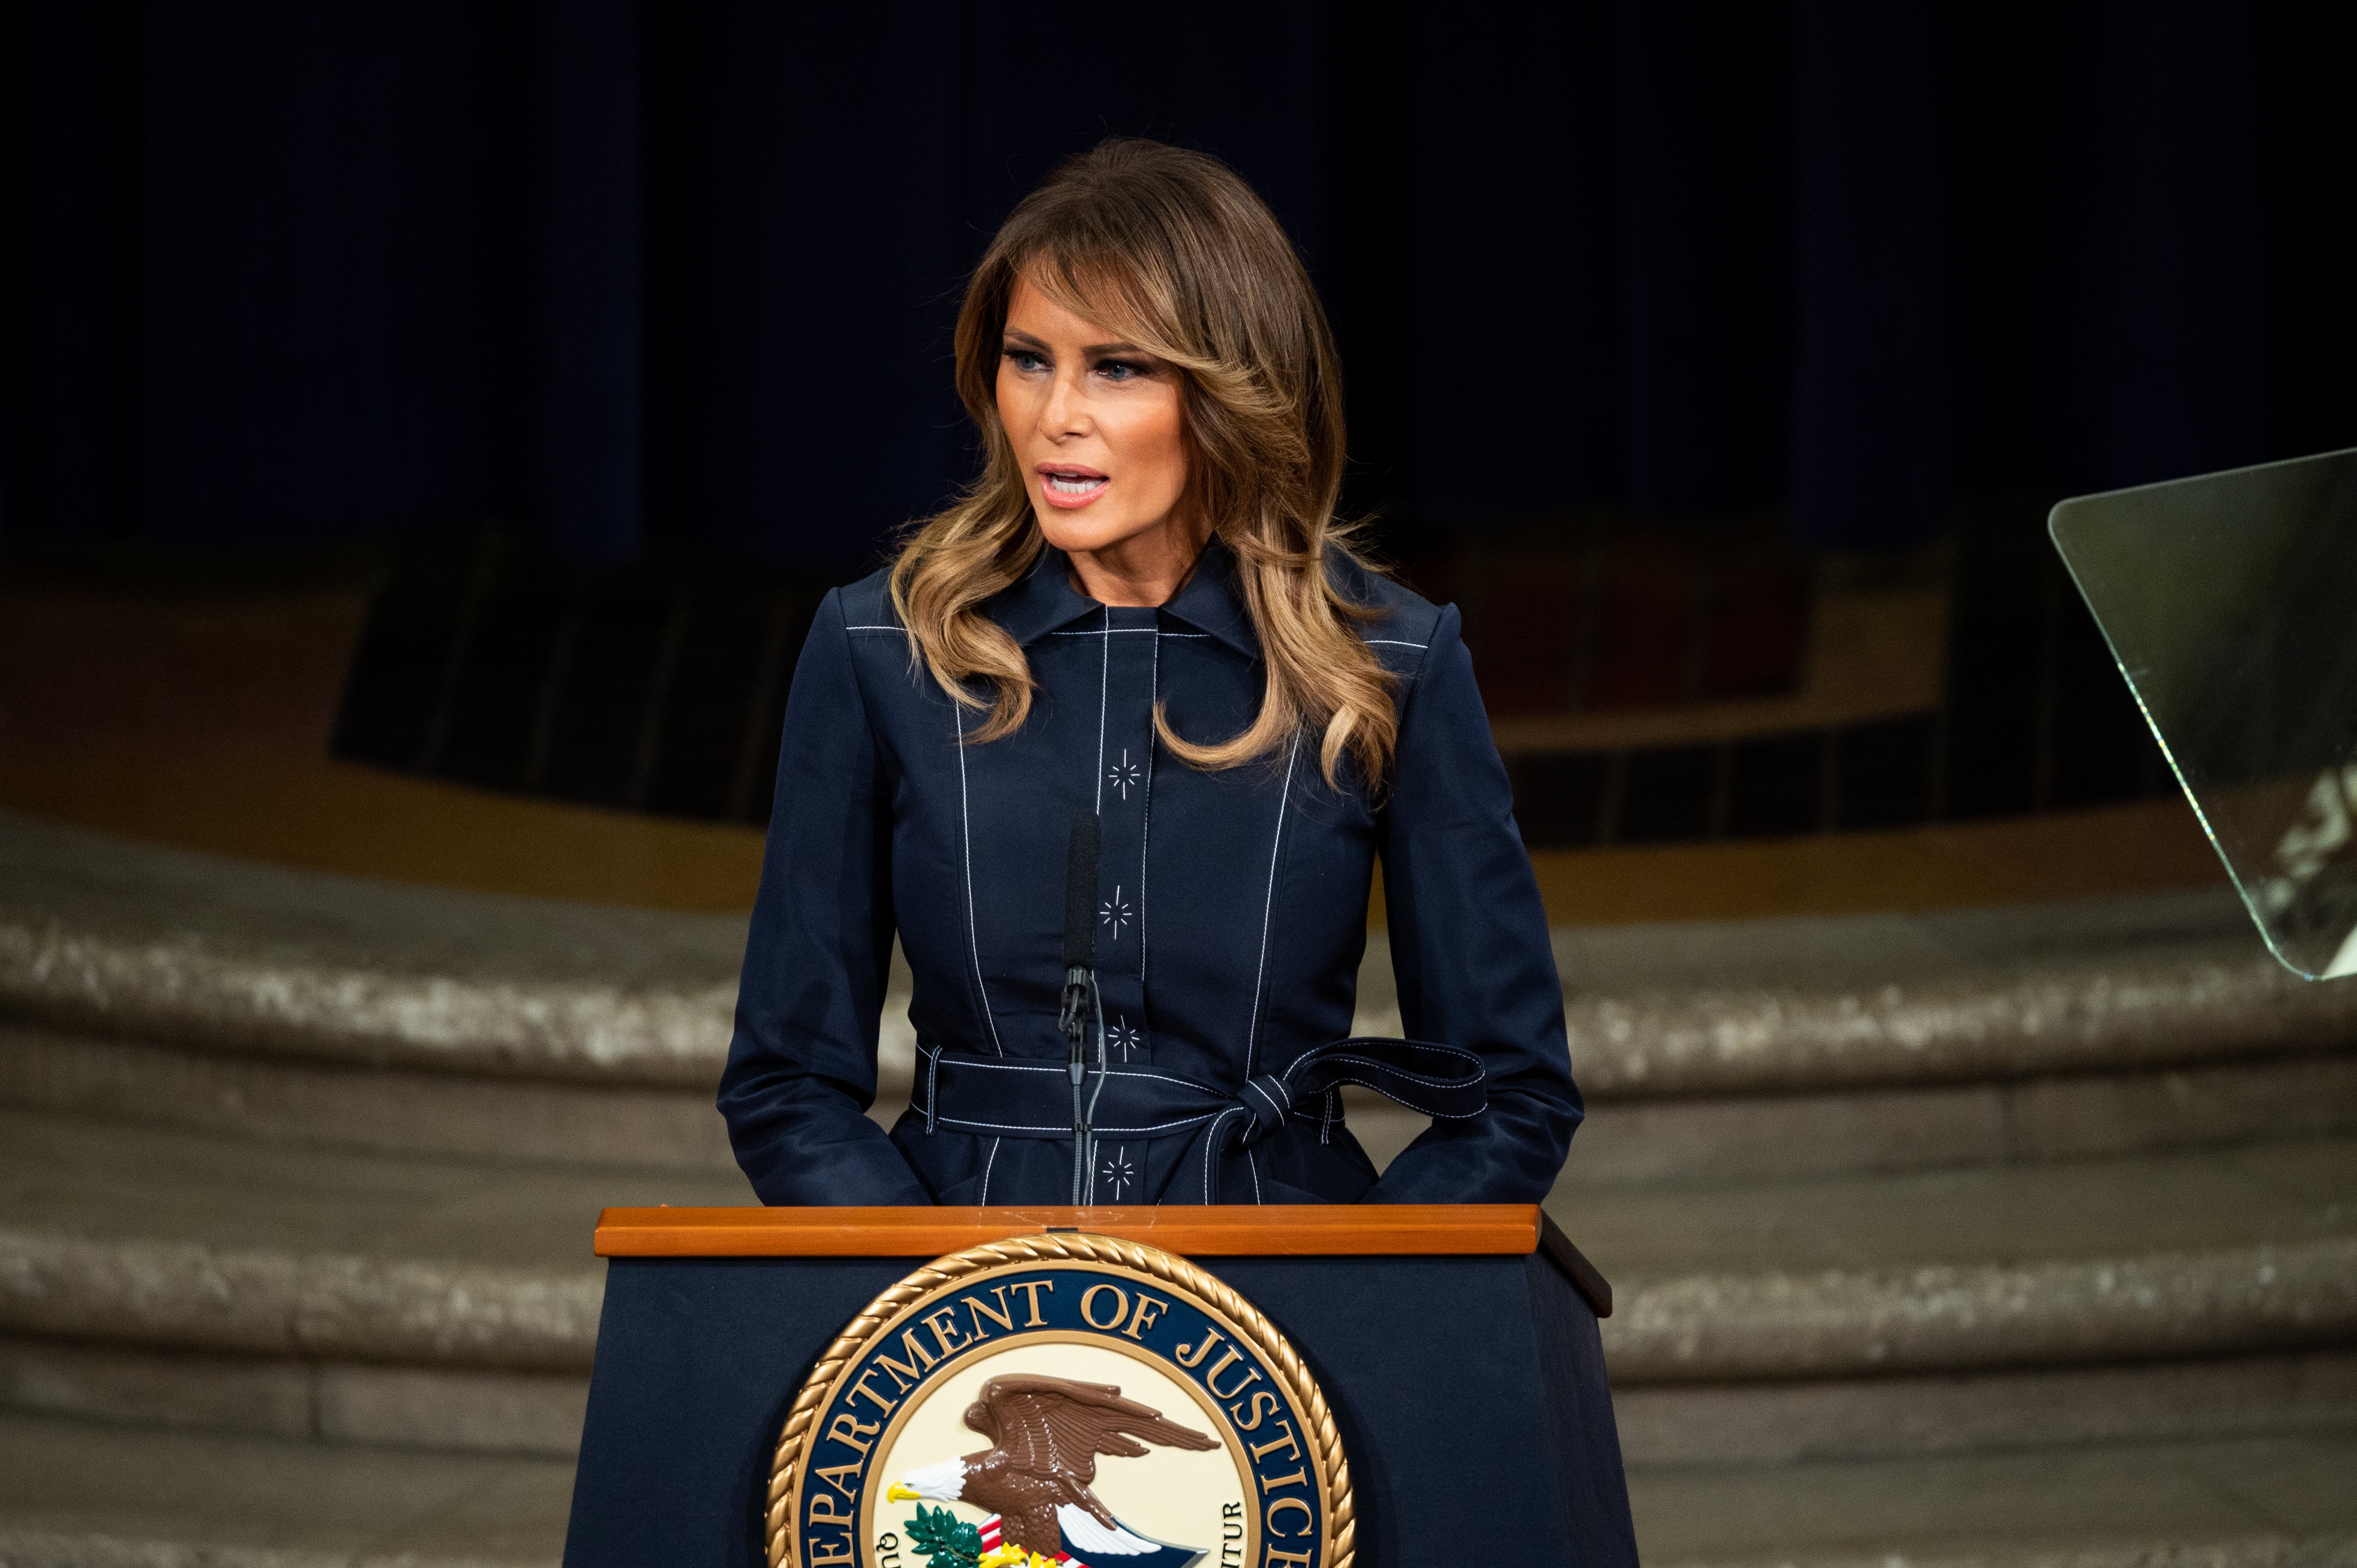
[[1221, 1230]]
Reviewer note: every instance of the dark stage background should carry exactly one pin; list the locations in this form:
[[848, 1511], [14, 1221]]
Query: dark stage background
[[286, 272]]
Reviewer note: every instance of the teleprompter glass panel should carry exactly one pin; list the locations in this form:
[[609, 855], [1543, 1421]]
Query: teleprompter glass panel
[[2229, 602]]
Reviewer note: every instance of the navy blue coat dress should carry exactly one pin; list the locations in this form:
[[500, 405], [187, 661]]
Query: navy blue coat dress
[[1231, 913]]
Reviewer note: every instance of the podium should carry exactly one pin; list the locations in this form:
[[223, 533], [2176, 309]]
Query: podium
[[1455, 1350]]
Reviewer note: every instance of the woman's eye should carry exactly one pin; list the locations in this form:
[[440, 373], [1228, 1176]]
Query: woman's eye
[[1119, 369], [1025, 359]]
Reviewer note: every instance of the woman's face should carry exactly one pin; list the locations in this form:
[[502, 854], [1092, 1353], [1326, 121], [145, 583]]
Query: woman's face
[[1099, 430]]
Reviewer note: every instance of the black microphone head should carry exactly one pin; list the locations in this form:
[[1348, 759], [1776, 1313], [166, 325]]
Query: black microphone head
[[1080, 891]]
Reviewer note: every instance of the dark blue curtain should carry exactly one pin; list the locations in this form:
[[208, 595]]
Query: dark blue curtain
[[282, 273]]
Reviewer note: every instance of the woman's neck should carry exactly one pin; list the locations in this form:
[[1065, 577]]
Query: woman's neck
[[1142, 571]]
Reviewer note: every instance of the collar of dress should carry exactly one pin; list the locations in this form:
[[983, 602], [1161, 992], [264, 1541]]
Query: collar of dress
[[1045, 601]]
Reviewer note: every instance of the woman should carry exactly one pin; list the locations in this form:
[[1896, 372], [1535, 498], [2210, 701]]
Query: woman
[[1113, 747], [1143, 613]]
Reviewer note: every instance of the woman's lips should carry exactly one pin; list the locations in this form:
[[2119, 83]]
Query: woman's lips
[[1072, 487]]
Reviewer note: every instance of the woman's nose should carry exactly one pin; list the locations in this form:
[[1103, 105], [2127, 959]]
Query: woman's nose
[[1066, 411]]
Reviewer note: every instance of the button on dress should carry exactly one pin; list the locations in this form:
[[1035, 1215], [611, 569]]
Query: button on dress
[[1231, 918]]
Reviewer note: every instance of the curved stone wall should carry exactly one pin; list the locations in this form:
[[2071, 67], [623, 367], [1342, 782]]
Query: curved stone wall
[[1850, 1175]]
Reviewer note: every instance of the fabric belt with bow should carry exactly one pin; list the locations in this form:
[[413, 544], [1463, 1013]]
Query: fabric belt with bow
[[1008, 1097]]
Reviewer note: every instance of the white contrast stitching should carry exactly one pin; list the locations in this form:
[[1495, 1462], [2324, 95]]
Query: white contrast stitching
[[1450, 1053], [972, 939], [1146, 815], [981, 1066], [1159, 1077], [898, 628], [1119, 1174], [1157, 1127], [1104, 689], [1059, 1130], [1212, 1145], [1395, 1099], [1251, 1035], [1281, 1117], [1382, 1066], [986, 1166], [1391, 642]]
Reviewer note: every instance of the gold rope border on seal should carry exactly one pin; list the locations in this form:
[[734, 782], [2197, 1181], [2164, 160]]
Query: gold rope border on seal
[[1341, 1519]]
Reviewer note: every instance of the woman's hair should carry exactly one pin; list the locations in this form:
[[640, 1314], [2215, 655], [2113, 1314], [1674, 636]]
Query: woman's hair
[[1174, 252]]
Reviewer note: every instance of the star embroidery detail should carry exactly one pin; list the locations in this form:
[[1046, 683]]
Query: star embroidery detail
[[1115, 912], [1124, 777], [1124, 1038], [1118, 1172]]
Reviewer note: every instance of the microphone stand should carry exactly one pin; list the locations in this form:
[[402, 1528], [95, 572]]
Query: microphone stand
[[1089, 1122]]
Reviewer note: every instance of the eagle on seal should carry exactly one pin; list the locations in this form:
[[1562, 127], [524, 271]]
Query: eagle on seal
[[1045, 1436]]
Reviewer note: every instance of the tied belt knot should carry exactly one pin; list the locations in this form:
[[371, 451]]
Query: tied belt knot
[[1269, 1098], [1012, 1097]]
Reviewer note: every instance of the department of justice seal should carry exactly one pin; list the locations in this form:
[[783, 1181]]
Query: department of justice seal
[[1060, 1399]]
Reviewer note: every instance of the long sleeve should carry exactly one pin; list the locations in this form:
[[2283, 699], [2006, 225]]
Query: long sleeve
[[1470, 947], [801, 1065]]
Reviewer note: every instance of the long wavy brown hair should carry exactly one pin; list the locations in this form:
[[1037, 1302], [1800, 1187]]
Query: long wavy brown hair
[[1170, 251]]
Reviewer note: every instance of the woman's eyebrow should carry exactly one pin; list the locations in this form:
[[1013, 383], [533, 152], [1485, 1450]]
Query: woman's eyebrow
[[1093, 350]]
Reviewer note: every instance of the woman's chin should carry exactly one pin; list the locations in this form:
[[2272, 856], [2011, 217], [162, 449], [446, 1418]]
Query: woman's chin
[[1074, 532]]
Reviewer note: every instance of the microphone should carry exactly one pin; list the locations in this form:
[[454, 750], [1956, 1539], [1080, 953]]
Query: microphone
[[1079, 973]]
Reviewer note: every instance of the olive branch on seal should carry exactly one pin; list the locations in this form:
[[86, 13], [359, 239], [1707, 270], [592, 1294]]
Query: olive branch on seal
[[945, 1539]]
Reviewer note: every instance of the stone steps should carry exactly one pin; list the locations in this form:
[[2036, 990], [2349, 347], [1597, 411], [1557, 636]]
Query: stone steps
[[83, 1495], [2255, 1502], [1905, 1214], [182, 1278], [156, 986], [1629, 1136]]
